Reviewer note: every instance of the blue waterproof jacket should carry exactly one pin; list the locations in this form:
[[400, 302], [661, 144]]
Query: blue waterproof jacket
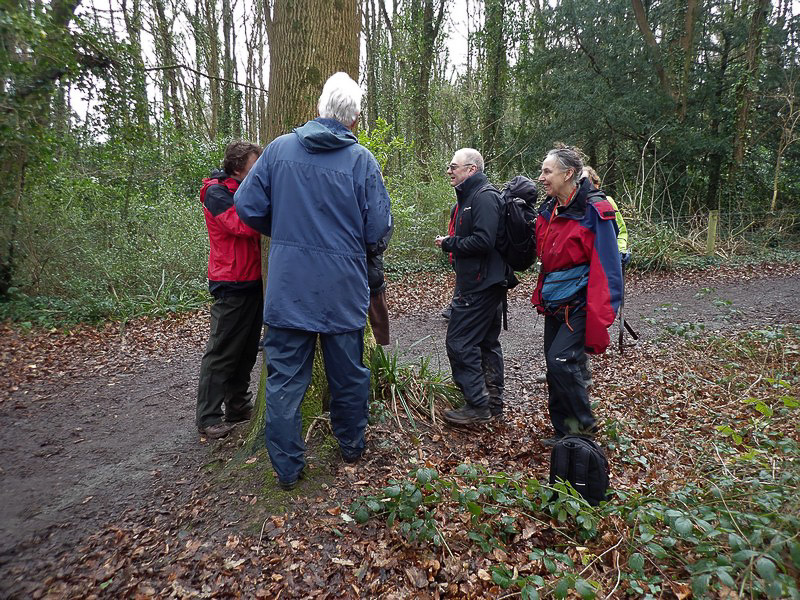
[[320, 196]]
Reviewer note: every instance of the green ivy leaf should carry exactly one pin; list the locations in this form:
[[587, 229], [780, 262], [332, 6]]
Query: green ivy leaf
[[500, 578], [700, 585], [562, 588], [736, 542], [361, 515], [794, 550], [636, 562], [550, 564], [743, 556], [683, 526], [725, 577], [528, 592], [790, 402], [657, 550], [585, 589], [766, 568]]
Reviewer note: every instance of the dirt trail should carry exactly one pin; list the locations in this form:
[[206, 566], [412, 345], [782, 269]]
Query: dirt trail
[[103, 422]]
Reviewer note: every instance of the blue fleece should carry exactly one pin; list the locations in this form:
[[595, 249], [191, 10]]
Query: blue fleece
[[320, 196]]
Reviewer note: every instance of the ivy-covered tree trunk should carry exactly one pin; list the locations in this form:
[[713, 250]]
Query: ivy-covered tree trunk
[[303, 55], [496, 77]]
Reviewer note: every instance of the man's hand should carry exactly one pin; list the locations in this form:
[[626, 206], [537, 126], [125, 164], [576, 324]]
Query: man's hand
[[439, 239], [625, 258]]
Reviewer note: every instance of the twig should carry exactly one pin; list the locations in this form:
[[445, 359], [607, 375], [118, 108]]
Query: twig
[[261, 535], [196, 72], [599, 556], [444, 541], [619, 575], [311, 427], [722, 462]]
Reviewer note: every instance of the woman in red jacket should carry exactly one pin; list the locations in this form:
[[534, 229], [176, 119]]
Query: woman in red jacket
[[579, 287]]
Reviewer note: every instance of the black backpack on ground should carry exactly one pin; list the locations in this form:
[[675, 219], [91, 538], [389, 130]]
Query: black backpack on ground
[[583, 463], [516, 238]]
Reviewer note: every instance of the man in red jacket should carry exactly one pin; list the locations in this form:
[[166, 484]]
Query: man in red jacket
[[234, 279]]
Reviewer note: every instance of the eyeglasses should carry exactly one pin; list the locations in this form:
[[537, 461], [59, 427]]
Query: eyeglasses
[[454, 166]]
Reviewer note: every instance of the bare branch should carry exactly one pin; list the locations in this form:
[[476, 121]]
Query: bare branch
[[196, 72]]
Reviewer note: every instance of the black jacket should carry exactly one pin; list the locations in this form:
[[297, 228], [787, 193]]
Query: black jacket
[[478, 264]]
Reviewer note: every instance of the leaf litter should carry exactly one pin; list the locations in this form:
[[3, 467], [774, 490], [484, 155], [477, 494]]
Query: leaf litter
[[197, 540]]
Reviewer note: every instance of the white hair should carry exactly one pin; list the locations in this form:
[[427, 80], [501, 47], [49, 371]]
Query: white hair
[[470, 156], [340, 99]]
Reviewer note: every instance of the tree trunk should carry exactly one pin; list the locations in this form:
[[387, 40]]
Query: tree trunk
[[304, 54], [371, 32], [747, 85], [426, 27], [496, 77], [133, 27], [716, 157], [655, 51], [166, 50], [212, 50], [687, 46]]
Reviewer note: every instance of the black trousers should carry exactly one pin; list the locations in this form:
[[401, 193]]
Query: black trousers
[[567, 372], [231, 352], [473, 346]]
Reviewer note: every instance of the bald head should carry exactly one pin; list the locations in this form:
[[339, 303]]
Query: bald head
[[469, 156]]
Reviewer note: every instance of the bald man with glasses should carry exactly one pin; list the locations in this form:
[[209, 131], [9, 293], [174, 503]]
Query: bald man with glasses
[[473, 331]]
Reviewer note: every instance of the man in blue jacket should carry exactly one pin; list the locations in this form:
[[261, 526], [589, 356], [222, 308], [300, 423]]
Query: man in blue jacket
[[320, 196]]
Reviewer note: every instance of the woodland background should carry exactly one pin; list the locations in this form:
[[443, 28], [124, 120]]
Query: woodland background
[[111, 113]]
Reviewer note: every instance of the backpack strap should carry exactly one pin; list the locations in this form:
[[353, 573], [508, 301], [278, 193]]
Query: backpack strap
[[581, 464], [597, 200], [559, 461]]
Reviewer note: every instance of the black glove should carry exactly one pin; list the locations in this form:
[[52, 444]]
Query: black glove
[[625, 258]]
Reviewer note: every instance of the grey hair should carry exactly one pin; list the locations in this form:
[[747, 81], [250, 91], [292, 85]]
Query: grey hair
[[568, 158], [471, 157], [340, 99]]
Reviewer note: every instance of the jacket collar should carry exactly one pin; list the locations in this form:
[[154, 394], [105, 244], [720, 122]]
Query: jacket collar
[[576, 207], [470, 185]]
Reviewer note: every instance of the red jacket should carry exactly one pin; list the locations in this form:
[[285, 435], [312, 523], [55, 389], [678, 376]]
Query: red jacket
[[583, 232], [234, 263]]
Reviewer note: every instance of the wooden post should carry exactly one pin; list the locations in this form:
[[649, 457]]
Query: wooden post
[[713, 219]]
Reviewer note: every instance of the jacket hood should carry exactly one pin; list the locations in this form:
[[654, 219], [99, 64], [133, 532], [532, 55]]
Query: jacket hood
[[524, 188], [218, 174], [324, 135]]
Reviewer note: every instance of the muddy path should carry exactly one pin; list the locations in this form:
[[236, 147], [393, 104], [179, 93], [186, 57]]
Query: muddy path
[[99, 424]]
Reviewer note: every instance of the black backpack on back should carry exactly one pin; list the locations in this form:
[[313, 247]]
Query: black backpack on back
[[583, 463], [516, 237]]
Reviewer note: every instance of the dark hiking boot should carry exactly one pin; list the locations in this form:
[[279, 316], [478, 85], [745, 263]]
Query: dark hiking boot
[[446, 312], [468, 415], [551, 441], [496, 410], [240, 417], [290, 485], [217, 430], [352, 459]]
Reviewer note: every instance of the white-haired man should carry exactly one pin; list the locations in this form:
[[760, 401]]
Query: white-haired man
[[320, 196], [473, 331]]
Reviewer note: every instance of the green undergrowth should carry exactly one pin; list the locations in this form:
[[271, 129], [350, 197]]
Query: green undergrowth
[[409, 394], [730, 528]]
